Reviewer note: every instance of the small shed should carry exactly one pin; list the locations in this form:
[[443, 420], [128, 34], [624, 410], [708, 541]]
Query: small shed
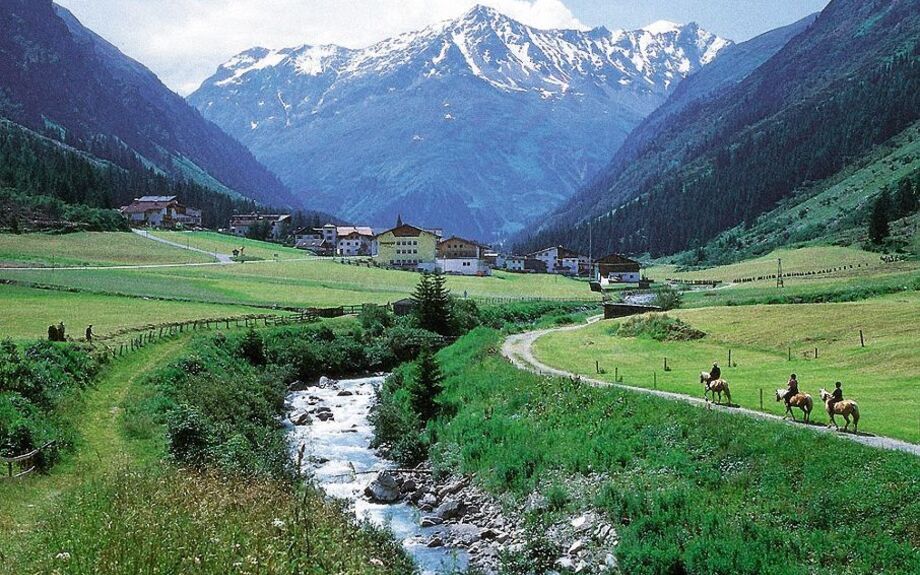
[[404, 307]]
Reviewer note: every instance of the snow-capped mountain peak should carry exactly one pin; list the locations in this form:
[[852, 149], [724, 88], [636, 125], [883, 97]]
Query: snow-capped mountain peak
[[662, 27], [532, 112]]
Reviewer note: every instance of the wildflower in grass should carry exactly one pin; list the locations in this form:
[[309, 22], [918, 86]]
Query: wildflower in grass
[[278, 523], [63, 556]]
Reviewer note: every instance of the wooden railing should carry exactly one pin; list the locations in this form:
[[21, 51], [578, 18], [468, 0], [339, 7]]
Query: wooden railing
[[25, 463]]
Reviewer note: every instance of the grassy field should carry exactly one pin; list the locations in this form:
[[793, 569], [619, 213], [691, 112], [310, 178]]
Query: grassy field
[[811, 259], [28, 312], [90, 249], [689, 490], [883, 377], [224, 244], [295, 283]]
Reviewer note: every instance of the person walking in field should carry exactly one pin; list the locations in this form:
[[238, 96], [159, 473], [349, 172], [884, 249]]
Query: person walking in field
[[89, 333], [792, 388]]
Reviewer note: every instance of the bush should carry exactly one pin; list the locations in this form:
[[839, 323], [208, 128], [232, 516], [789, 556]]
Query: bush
[[667, 299], [252, 349], [659, 327]]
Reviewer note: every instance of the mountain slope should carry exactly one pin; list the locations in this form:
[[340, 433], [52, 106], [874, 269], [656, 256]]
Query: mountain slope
[[64, 81], [848, 83], [482, 118]]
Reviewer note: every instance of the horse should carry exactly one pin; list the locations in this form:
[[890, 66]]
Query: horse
[[847, 408], [718, 386], [801, 400]]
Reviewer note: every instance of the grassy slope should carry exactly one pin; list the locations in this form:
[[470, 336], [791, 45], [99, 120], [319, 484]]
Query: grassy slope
[[115, 508], [883, 377], [690, 490], [302, 283], [815, 258], [89, 249], [836, 211], [224, 244], [28, 312]]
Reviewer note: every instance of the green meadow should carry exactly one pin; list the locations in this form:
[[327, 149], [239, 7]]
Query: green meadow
[[768, 343], [90, 249]]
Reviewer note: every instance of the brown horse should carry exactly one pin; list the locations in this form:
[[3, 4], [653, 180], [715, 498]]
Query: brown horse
[[718, 386], [801, 400], [847, 408]]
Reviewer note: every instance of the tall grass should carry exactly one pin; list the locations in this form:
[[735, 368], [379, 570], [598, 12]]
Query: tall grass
[[172, 521], [690, 491]]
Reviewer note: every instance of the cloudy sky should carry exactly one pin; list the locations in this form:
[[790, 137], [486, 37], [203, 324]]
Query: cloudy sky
[[184, 41]]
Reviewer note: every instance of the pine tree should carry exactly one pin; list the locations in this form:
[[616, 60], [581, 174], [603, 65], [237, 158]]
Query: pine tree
[[879, 227], [433, 303], [905, 202], [427, 386]]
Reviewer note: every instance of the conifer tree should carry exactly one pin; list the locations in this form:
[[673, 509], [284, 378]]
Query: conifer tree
[[879, 227], [433, 303], [427, 386]]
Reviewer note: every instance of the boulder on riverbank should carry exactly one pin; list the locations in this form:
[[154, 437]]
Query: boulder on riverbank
[[383, 489]]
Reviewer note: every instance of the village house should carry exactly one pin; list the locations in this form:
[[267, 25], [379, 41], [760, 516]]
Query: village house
[[408, 247], [336, 240], [278, 224], [617, 269], [561, 260], [521, 264], [161, 212], [462, 257]]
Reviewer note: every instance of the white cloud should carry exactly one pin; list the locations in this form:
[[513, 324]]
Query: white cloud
[[184, 41]]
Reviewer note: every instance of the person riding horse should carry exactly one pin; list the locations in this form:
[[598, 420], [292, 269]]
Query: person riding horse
[[836, 396], [792, 389], [715, 373]]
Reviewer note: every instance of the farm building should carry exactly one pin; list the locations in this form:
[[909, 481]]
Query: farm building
[[617, 269], [161, 212], [523, 264], [561, 260], [462, 257], [408, 247], [241, 225]]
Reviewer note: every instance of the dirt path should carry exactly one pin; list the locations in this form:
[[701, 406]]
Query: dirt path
[[518, 349], [101, 446]]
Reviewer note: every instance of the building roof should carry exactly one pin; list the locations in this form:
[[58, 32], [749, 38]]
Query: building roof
[[140, 207], [464, 240], [360, 230], [563, 251], [617, 259], [406, 231], [156, 199], [259, 217]]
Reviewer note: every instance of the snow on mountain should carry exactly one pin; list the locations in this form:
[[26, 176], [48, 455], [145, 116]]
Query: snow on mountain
[[516, 113]]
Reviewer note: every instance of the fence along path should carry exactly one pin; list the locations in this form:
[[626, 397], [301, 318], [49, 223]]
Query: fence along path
[[26, 463]]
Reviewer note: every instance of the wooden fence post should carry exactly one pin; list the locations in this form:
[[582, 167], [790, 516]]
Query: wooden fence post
[[761, 399], [654, 380], [597, 366], [729, 358], [862, 339], [790, 353]]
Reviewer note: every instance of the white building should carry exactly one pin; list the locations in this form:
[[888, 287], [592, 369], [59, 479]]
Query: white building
[[278, 224], [464, 266], [561, 260]]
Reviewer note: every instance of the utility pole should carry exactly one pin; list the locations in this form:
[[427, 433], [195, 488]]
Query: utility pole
[[779, 274]]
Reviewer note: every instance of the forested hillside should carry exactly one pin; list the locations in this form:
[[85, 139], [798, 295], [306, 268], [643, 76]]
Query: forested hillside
[[64, 82], [835, 93]]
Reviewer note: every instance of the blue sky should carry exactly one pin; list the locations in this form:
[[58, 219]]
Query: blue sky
[[184, 41]]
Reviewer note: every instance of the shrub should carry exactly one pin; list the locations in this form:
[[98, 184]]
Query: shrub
[[659, 327], [252, 348], [667, 299]]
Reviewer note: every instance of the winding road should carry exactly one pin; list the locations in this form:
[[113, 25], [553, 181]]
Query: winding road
[[518, 349]]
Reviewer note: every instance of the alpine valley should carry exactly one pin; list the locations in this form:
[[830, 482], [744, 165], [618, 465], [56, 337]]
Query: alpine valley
[[483, 117]]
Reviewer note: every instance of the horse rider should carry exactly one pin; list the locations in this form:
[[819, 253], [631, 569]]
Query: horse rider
[[792, 389], [836, 396], [715, 373]]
